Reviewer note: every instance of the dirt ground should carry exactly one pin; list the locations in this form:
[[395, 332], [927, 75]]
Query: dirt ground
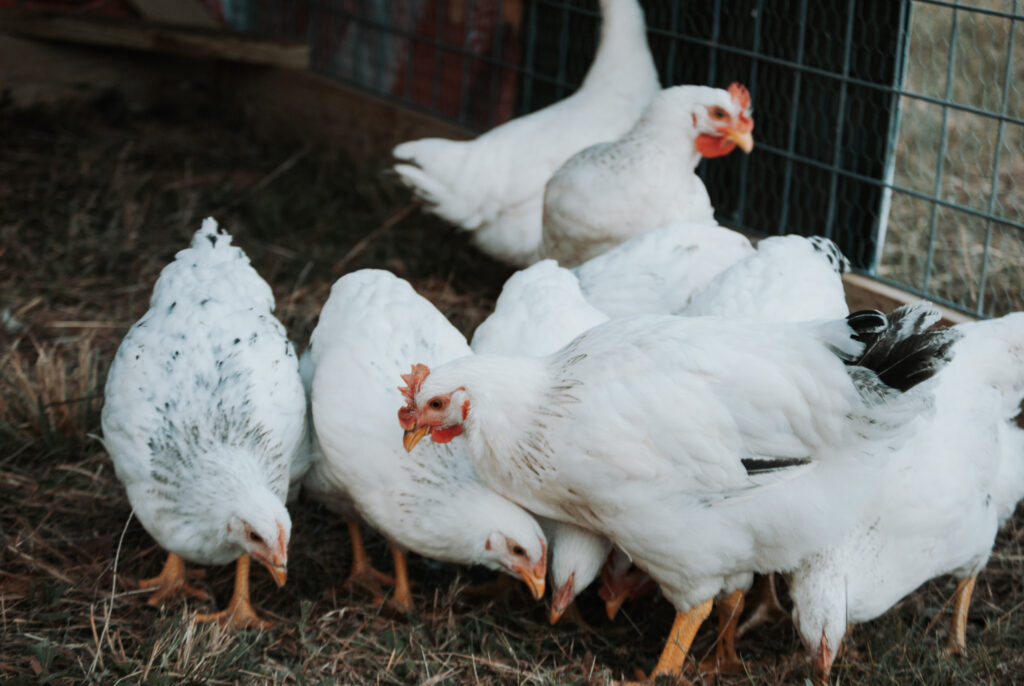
[[94, 200]]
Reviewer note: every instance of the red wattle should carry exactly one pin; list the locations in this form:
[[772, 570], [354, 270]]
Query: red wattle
[[446, 434], [714, 146]]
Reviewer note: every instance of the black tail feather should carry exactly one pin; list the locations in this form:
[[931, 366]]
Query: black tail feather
[[868, 324], [906, 352]]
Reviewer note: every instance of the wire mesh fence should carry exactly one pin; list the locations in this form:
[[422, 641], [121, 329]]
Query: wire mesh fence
[[894, 128]]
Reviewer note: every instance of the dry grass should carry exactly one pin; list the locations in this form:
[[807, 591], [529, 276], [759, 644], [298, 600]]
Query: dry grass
[[975, 148], [93, 202]]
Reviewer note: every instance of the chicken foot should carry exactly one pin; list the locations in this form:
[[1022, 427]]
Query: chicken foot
[[172, 581], [239, 613]]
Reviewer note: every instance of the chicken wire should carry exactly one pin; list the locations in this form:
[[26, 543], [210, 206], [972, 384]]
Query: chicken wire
[[894, 128]]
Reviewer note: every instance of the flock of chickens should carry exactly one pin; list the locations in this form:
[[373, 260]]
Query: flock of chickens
[[654, 400]]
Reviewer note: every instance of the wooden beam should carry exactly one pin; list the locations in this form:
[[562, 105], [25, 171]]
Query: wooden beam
[[39, 72], [329, 114], [135, 35], [863, 292], [178, 12]]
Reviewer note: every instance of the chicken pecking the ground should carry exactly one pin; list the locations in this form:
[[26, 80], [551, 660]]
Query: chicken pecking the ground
[[765, 439], [493, 186], [540, 310], [940, 502], [645, 180], [205, 421], [787, 278], [372, 327]]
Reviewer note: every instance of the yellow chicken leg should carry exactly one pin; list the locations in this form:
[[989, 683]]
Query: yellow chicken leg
[[957, 644], [684, 629], [402, 597], [725, 660], [363, 574], [172, 581], [239, 613], [763, 604]]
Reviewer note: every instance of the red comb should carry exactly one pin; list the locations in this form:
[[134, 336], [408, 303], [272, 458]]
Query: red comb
[[740, 94], [413, 382]]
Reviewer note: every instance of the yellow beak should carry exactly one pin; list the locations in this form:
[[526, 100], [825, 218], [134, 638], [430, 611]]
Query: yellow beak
[[278, 573], [533, 582], [612, 606], [561, 599], [743, 140], [413, 436]]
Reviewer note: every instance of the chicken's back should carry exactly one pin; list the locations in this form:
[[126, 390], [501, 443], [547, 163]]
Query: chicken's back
[[788, 278], [540, 309], [659, 272]]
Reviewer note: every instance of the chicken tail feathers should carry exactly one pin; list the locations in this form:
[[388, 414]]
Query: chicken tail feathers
[[211, 268], [432, 169], [906, 351], [211, 236]]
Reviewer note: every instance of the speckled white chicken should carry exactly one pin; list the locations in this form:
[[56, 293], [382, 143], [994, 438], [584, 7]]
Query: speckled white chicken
[[540, 310], [608, 193], [755, 435], [493, 185], [373, 326], [205, 420], [941, 500]]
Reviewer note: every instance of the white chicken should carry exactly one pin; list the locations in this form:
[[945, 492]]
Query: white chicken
[[658, 272], [205, 420], [319, 485], [705, 448], [370, 330], [791, 279], [493, 185], [540, 310], [941, 500], [788, 278], [612, 191]]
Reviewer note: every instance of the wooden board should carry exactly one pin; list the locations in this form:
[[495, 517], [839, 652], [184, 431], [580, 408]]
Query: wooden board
[[863, 292], [109, 32], [179, 12], [327, 113], [36, 72]]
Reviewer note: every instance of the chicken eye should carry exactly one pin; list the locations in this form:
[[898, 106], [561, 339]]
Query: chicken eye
[[435, 404], [518, 550], [255, 537], [717, 113]]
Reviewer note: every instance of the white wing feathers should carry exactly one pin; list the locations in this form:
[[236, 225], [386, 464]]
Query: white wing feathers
[[788, 278], [540, 309], [659, 272]]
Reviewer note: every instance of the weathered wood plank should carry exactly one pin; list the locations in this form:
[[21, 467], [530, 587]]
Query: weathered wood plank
[[317, 109], [179, 12], [136, 35], [863, 292]]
